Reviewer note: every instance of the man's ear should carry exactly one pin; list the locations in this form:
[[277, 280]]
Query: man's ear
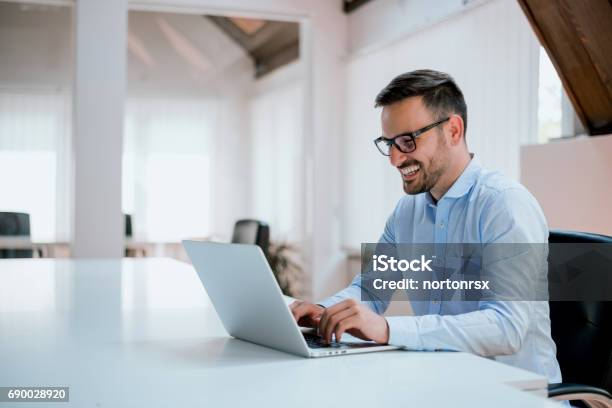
[[456, 129]]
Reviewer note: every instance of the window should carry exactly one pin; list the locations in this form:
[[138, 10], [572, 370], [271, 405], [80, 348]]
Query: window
[[35, 116], [550, 94], [275, 123], [167, 167]]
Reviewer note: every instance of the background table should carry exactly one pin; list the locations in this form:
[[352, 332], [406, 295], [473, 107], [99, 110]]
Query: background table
[[142, 332]]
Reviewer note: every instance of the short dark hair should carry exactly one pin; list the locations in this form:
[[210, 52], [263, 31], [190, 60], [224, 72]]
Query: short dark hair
[[439, 91]]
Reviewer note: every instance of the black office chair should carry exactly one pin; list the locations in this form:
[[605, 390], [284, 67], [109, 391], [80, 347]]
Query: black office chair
[[252, 232], [127, 220], [582, 332], [130, 252], [14, 224]]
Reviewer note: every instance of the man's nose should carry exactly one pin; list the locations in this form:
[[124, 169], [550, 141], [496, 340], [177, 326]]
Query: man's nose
[[396, 157]]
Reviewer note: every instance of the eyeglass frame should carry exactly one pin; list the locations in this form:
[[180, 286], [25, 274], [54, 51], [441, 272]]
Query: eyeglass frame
[[414, 135]]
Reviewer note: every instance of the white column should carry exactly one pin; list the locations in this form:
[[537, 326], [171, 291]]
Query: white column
[[99, 89], [324, 151]]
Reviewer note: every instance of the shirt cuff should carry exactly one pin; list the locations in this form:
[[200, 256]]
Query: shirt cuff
[[403, 331], [330, 301]]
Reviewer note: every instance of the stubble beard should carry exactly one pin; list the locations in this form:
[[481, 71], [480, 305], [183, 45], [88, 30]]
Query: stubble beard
[[429, 176]]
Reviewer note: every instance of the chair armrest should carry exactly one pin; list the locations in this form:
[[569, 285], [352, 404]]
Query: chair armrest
[[592, 396]]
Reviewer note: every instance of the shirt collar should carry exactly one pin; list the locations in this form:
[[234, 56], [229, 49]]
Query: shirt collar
[[466, 180]]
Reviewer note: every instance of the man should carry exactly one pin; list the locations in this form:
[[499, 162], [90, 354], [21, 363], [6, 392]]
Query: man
[[450, 199]]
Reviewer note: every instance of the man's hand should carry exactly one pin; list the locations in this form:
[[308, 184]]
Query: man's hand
[[306, 314], [354, 318]]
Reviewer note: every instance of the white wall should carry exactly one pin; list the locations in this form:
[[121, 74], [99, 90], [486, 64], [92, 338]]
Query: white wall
[[571, 181], [378, 23], [491, 52]]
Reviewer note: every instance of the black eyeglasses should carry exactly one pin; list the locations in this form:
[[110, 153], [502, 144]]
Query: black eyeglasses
[[406, 142]]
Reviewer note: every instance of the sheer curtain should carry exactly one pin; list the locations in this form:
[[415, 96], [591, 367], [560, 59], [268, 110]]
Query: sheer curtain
[[35, 129], [275, 121], [167, 171], [168, 167]]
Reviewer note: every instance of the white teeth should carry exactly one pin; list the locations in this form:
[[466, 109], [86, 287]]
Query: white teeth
[[409, 170]]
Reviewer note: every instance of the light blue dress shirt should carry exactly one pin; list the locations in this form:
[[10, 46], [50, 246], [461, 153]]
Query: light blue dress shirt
[[480, 207]]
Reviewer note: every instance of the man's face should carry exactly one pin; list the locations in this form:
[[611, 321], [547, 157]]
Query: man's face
[[421, 169]]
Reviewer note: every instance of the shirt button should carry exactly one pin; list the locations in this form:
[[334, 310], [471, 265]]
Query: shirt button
[[442, 225]]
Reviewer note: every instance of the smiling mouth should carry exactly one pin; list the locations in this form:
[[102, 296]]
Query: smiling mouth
[[409, 172]]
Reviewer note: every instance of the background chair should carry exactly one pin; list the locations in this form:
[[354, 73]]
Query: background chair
[[14, 224], [127, 219], [582, 332], [131, 250], [252, 232]]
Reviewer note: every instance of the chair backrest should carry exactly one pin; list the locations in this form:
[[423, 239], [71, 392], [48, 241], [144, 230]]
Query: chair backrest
[[252, 232], [127, 220], [14, 224], [582, 330]]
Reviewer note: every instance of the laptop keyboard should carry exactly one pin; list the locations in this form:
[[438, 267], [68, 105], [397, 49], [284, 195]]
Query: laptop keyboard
[[315, 342]]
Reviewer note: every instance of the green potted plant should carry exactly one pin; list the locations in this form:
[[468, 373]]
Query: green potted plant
[[282, 258]]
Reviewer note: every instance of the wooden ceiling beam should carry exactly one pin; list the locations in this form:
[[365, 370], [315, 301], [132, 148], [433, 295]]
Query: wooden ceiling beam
[[577, 35]]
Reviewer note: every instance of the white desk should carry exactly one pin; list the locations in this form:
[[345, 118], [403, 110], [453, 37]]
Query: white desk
[[61, 249], [142, 333]]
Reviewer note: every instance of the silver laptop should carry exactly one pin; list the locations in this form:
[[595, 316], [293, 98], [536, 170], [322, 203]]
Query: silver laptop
[[251, 306]]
